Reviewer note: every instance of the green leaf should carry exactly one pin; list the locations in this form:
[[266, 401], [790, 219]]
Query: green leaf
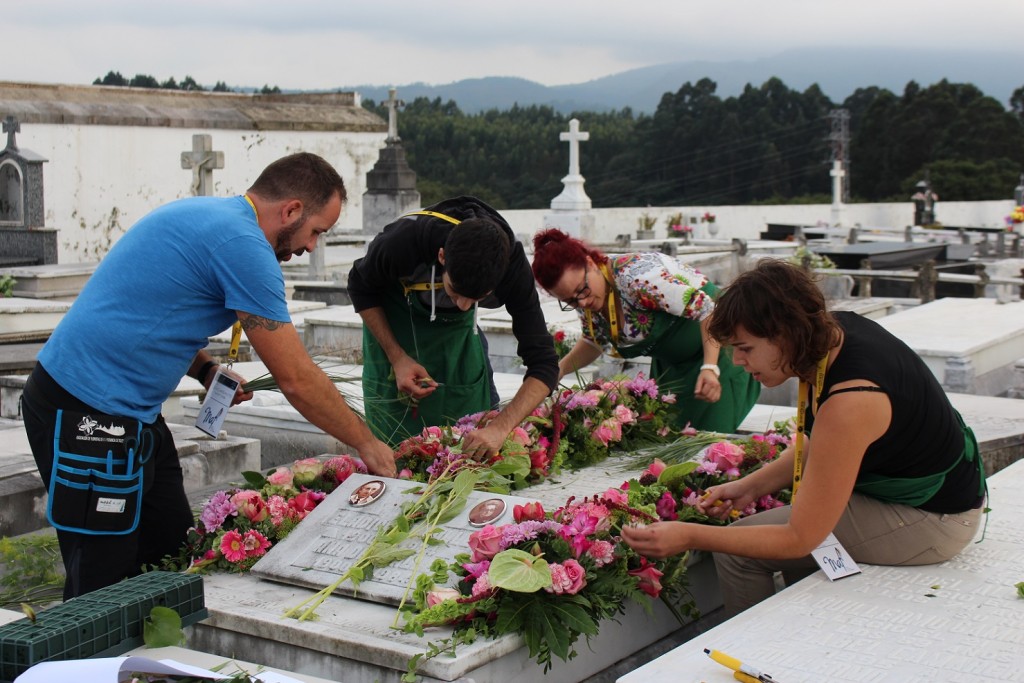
[[384, 557], [672, 475], [519, 571], [1020, 589], [162, 628], [255, 479]]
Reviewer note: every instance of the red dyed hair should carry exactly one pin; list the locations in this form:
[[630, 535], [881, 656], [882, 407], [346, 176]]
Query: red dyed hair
[[554, 252]]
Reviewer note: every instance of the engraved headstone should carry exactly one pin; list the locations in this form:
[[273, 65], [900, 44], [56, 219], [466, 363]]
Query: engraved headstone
[[335, 535]]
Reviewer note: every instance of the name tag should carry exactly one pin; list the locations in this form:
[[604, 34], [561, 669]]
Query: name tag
[[833, 559], [115, 505]]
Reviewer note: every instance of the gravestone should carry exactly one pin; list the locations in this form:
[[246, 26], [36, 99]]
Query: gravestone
[[390, 184], [570, 210], [24, 241], [338, 531], [202, 160]]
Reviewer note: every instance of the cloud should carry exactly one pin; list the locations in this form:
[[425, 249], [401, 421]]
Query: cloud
[[313, 44]]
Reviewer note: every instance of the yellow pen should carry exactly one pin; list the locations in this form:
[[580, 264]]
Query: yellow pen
[[749, 672]]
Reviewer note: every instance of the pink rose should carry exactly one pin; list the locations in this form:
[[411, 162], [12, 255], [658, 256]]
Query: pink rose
[[623, 414], [305, 502], [568, 578], [725, 454], [281, 477], [340, 468], [485, 543], [305, 471], [616, 496], [531, 511], [655, 469], [406, 473], [436, 597], [666, 507], [432, 434], [648, 577], [250, 505]]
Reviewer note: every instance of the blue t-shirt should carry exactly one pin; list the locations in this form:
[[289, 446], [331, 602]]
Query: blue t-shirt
[[176, 278]]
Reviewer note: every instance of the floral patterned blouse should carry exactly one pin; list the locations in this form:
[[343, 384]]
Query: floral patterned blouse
[[650, 281]]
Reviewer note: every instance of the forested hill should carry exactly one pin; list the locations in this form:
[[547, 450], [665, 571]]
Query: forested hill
[[838, 72], [770, 143]]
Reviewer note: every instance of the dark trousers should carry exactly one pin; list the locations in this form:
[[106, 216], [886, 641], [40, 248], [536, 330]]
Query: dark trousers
[[95, 561]]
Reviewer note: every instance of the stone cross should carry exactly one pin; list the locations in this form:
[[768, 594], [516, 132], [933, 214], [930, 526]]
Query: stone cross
[[11, 126], [202, 160], [393, 104], [574, 137]]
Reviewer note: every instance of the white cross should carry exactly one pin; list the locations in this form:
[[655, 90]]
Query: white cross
[[393, 104], [202, 160], [574, 137]]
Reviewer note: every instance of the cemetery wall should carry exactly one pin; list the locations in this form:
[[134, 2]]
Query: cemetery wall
[[747, 222], [100, 179]]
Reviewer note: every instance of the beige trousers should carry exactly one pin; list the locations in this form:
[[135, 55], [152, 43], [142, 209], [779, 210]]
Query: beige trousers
[[872, 531]]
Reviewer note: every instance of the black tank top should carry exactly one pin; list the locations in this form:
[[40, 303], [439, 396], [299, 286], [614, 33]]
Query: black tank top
[[924, 436]]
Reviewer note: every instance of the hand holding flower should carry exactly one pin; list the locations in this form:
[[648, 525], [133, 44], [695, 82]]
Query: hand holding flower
[[659, 540]]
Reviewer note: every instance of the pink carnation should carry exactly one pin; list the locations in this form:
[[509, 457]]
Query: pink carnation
[[568, 578], [601, 552]]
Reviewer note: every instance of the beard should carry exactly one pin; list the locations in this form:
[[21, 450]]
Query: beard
[[283, 249]]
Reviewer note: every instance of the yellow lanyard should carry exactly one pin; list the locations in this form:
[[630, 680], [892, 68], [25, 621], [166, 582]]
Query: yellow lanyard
[[435, 214], [236, 329], [801, 419], [613, 315]]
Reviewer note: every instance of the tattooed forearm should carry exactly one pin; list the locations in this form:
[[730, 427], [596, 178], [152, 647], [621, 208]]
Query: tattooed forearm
[[252, 322]]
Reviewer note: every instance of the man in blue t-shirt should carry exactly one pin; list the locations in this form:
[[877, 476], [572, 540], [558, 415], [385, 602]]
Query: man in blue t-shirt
[[183, 273]]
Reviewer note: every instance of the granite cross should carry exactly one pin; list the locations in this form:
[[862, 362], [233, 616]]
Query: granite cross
[[11, 126], [202, 160]]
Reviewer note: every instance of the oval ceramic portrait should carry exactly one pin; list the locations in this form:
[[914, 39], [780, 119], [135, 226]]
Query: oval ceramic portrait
[[367, 493], [485, 512]]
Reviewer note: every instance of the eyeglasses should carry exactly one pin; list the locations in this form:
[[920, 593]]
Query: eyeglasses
[[582, 293]]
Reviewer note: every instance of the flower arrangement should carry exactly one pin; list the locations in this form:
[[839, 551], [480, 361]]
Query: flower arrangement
[[238, 526], [551, 578], [621, 412], [675, 489], [708, 217], [677, 226], [646, 221]]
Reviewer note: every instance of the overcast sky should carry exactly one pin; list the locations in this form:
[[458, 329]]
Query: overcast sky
[[323, 44]]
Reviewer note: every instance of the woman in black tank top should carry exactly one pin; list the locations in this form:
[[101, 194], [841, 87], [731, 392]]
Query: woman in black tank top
[[885, 462]]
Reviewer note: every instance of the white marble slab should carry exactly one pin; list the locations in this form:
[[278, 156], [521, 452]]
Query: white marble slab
[[956, 621], [970, 345], [25, 319]]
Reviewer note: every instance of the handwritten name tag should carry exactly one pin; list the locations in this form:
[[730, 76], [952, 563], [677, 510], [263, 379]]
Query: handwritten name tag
[[833, 559]]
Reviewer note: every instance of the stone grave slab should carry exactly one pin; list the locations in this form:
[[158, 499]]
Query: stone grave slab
[[970, 345], [58, 281], [23, 319], [334, 330], [342, 527]]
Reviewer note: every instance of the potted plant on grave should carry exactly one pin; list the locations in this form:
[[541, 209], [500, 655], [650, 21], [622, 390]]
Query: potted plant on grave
[[645, 227], [678, 227]]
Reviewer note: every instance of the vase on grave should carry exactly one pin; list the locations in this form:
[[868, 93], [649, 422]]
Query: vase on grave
[[645, 234]]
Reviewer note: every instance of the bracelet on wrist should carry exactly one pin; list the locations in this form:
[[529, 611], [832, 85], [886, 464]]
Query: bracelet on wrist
[[205, 370], [713, 368]]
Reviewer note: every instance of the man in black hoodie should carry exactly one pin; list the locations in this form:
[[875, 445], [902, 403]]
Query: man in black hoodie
[[424, 358]]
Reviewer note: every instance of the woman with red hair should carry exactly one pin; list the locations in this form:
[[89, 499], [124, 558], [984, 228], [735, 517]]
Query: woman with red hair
[[647, 304]]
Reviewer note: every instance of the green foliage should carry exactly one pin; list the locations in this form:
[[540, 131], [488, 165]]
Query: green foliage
[[162, 628], [30, 570], [7, 283]]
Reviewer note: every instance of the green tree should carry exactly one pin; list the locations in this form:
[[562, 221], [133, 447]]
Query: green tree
[[112, 78], [189, 83], [144, 81], [221, 86], [267, 90]]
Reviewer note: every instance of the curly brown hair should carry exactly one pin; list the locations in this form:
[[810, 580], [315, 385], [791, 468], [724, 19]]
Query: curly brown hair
[[778, 301]]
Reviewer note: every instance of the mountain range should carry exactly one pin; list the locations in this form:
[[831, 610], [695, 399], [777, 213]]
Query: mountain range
[[838, 71]]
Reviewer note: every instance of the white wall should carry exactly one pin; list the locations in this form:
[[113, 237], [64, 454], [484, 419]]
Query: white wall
[[746, 222], [99, 180]]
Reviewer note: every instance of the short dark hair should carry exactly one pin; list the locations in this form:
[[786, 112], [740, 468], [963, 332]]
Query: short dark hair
[[303, 176], [779, 301], [476, 255]]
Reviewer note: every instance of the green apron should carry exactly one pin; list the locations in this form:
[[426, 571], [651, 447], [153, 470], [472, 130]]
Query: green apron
[[451, 351], [677, 352]]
